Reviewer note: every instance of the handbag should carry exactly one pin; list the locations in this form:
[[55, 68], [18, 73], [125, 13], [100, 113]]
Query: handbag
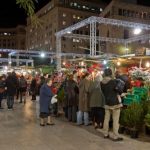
[[54, 99]]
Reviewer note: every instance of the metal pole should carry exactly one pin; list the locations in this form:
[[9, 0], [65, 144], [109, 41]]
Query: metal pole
[[58, 52], [93, 38], [9, 60], [140, 64], [17, 60]]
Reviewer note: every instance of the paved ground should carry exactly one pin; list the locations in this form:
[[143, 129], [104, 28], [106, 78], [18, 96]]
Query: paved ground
[[20, 130]]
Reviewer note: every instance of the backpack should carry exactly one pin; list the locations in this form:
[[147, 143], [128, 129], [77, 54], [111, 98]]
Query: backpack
[[120, 85], [23, 82]]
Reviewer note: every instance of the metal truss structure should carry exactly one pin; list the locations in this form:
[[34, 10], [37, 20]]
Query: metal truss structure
[[15, 60], [33, 53], [92, 21]]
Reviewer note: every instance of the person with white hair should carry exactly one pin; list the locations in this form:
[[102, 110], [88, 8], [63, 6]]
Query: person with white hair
[[96, 102]]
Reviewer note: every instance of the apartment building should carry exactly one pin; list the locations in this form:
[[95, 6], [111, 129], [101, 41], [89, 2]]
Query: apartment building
[[120, 9], [13, 38], [57, 15]]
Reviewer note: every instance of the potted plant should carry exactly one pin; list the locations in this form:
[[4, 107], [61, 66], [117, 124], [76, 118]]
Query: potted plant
[[134, 118], [122, 122], [147, 123]]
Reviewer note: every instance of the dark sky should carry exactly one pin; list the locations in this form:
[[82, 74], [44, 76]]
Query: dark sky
[[11, 14]]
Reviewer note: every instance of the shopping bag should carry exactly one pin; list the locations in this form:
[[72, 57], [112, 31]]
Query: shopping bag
[[54, 99]]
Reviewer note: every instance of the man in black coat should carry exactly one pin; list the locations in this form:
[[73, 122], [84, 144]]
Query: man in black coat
[[11, 85], [112, 104]]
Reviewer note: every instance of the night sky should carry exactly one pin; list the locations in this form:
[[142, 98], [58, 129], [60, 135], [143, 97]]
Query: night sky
[[11, 14]]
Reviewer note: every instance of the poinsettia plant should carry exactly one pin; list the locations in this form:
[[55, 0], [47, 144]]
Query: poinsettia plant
[[139, 73]]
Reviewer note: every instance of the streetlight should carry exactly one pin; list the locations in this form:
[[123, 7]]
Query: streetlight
[[137, 31], [42, 55]]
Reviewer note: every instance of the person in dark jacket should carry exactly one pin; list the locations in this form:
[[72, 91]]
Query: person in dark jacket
[[84, 101], [72, 98], [112, 104], [45, 100], [11, 85], [22, 88], [2, 89], [33, 89]]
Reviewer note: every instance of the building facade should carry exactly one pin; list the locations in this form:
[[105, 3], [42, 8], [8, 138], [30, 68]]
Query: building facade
[[119, 9], [57, 15], [13, 38]]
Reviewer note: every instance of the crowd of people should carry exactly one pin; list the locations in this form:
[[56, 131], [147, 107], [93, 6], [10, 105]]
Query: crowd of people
[[85, 99]]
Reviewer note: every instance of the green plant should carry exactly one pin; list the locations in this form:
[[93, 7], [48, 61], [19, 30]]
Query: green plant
[[61, 95], [146, 106], [122, 120], [147, 120], [133, 116]]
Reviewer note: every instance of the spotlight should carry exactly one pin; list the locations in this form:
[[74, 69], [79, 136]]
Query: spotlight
[[137, 31], [42, 55]]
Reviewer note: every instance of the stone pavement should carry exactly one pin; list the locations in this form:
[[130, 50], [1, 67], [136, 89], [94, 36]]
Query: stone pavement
[[20, 130]]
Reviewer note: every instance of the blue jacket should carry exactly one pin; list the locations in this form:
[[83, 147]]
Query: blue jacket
[[45, 98]]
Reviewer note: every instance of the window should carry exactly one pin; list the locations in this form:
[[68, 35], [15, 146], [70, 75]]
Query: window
[[64, 46], [64, 15], [63, 38], [64, 22], [108, 33], [74, 16], [120, 12], [125, 13], [126, 34], [100, 9], [86, 33], [75, 4]]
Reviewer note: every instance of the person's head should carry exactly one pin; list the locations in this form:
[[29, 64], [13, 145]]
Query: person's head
[[2, 77], [46, 76], [117, 74], [107, 72], [98, 78], [49, 81], [71, 77]]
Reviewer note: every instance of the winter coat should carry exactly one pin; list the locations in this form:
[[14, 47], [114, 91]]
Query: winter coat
[[71, 93], [96, 95], [22, 84], [2, 86], [108, 87], [33, 86], [11, 84], [45, 98], [84, 95]]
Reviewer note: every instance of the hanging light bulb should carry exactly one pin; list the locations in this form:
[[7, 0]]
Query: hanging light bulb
[[147, 64], [104, 62], [118, 63], [64, 63], [82, 63]]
